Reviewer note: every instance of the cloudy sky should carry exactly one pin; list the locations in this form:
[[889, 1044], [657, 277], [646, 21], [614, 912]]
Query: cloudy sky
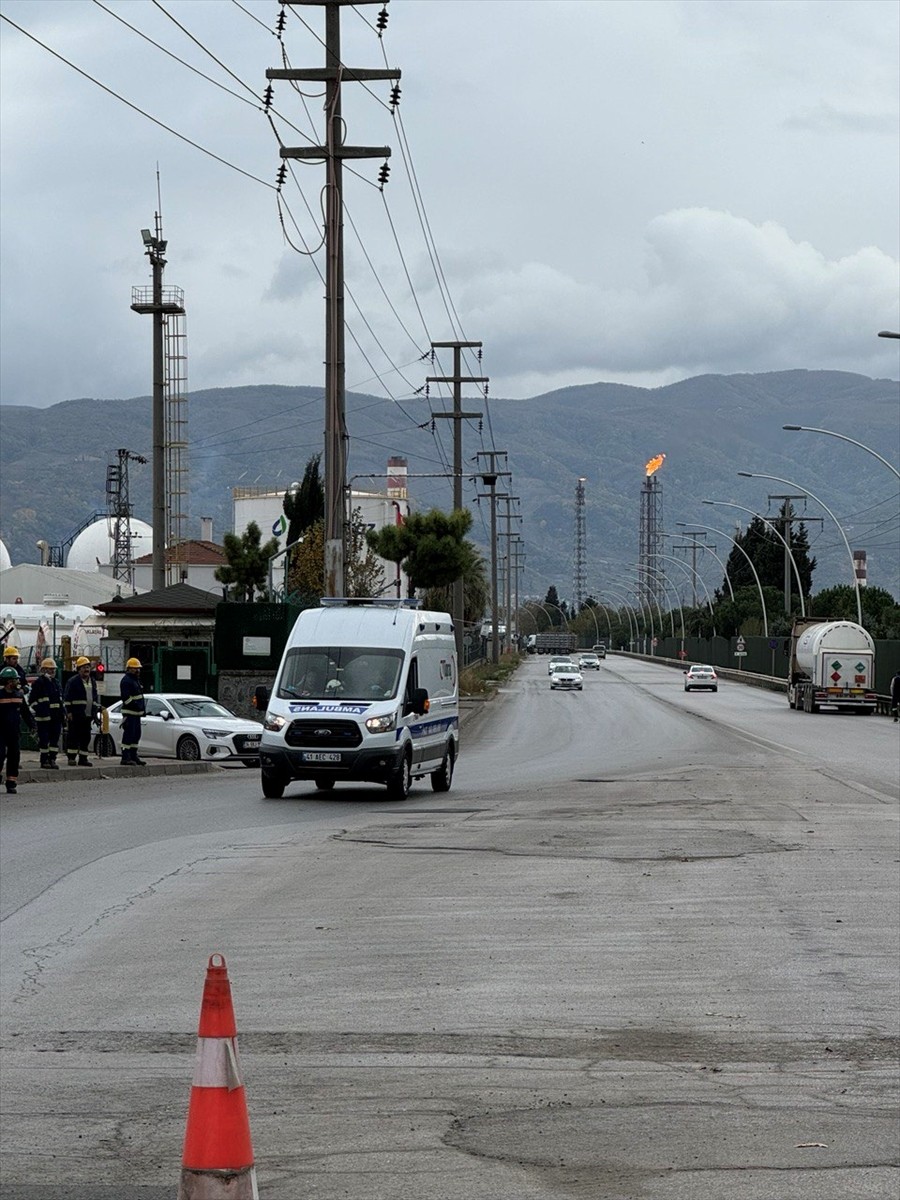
[[632, 190]]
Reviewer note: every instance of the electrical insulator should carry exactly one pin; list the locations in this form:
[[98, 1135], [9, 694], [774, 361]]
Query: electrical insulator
[[381, 21], [268, 97], [395, 95], [280, 23], [383, 172], [282, 175]]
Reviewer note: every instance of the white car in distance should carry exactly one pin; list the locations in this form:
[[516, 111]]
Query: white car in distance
[[556, 660], [589, 662], [565, 675], [701, 676]]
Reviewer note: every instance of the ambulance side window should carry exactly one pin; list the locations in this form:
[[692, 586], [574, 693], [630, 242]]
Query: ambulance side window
[[412, 684]]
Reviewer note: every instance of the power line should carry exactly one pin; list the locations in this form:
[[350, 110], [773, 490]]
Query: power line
[[134, 107]]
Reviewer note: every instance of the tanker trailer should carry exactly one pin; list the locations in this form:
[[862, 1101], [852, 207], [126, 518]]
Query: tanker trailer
[[832, 662]]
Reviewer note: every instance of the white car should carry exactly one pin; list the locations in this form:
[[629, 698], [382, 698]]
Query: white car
[[589, 662], [566, 675], [556, 660], [701, 677], [194, 728]]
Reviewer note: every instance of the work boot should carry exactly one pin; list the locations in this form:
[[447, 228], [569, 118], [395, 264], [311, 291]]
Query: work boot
[[84, 761], [125, 761], [45, 761], [72, 759], [11, 786], [138, 762], [52, 763]]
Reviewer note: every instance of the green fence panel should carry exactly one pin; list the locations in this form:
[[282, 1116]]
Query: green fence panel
[[252, 636]]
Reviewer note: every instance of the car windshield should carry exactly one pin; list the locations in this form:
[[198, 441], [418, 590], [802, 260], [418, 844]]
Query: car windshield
[[202, 706], [340, 672], [564, 666]]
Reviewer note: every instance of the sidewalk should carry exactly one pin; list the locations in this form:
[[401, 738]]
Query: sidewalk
[[31, 771]]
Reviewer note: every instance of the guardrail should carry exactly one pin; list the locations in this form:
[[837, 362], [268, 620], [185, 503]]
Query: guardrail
[[771, 683]]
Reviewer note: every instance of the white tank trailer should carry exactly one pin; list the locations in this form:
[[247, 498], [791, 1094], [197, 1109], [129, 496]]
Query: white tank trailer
[[833, 663]]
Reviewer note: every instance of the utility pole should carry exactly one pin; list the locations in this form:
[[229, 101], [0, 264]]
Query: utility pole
[[786, 522], [333, 74], [489, 478], [457, 417], [516, 549], [508, 517], [155, 249], [694, 543]]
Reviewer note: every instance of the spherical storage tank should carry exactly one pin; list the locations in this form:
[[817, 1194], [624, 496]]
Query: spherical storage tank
[[94, 546], [5, 560]]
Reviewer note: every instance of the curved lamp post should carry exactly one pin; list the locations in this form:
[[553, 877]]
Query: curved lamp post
[[663, 578], [738, 546], [844, 438], [690, 571], [790, 483], [766, 521], [630, 612]]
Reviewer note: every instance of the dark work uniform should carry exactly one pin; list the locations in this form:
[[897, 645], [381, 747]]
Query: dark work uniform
[[46, 702], [895, 697], [13, 711], [82, 706], [133, 708]]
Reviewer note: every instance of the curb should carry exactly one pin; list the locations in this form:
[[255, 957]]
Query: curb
[[114, 771]]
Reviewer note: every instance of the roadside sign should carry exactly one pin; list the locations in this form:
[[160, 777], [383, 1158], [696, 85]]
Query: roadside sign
[[773, 643]]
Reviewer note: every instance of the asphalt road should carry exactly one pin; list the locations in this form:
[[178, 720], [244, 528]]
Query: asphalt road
[[647, 947]]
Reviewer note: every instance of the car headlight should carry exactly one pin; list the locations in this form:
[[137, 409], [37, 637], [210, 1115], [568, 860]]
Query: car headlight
[[382, 724], [273, 723], [215, 733]]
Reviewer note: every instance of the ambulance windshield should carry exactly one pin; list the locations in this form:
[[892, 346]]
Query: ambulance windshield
[[340, 673]]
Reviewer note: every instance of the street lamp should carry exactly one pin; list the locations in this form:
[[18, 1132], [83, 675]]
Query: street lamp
[[844, 438], [790, 483], [738, 546], [787, 549]]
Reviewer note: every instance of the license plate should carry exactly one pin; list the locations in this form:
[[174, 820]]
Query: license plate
[[321, 756]]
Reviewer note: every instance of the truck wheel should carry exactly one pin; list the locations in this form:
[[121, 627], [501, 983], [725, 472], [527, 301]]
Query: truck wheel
[[443, 776], [400, 782], [273, 784]]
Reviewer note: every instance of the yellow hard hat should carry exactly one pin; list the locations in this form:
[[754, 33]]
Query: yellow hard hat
[[48, 662], [9, 651], [133, 662], [82, 661]]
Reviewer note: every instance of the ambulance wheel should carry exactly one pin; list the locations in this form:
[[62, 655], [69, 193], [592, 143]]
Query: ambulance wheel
[[273, 784], [400, 782], [443, 776]]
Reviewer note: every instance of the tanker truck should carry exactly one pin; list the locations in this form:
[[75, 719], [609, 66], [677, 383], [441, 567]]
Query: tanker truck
[[832, 662]]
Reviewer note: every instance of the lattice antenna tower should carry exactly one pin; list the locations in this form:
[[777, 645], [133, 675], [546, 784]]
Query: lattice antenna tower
[[579, 582], [119, 514], [651, 534]]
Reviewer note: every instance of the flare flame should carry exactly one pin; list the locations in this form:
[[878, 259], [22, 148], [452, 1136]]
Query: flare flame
[[654, 464]]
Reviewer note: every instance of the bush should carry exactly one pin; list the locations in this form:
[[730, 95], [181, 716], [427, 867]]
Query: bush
[[484, 678]]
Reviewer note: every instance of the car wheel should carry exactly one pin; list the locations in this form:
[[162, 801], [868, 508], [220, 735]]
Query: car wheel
[[443, 776], [400, 782], [273, 784], [324, 784], [188, 749], [715, 689]]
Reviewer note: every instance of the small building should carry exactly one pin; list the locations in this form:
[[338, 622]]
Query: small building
[[198, 561]]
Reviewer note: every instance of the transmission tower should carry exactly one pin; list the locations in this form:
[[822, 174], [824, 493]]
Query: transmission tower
[[119, 513], [651, 533], [579, 582]]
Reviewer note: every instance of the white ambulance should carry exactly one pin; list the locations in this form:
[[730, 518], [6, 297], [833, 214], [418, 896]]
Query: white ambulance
[[367, 691]]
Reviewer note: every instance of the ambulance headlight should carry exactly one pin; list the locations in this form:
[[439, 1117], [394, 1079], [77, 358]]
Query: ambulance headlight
[[273, 723], [382, 724]]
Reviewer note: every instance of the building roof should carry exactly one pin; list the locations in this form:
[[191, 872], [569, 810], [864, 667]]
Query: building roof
[[193, 553], [30, 583], [179, 598]]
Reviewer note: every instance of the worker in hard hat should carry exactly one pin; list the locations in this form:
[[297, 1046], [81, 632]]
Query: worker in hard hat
[[82, 705], [46, 701], [13, 711], [131, 692], [11, 659]]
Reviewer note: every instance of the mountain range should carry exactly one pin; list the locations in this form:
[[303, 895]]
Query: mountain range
[[53, 462]]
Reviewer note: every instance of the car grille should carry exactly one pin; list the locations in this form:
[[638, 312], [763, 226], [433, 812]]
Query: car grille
[[323, 735], [241, 746]]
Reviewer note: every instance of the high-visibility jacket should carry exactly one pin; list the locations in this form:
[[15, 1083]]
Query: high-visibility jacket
[[81, 698], [46, 699], [13, 710], [132, 696]]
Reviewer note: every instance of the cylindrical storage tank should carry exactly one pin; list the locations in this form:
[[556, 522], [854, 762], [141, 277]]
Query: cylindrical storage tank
[[830, 637]]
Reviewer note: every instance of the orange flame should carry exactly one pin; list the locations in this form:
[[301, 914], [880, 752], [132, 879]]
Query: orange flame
[[655, 463]]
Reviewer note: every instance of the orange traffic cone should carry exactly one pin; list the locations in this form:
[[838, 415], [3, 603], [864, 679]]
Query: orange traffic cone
[[217, 1163]]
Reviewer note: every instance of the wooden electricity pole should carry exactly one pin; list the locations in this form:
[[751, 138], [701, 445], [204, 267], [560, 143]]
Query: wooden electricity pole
[[489, 478], [333, 74]]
